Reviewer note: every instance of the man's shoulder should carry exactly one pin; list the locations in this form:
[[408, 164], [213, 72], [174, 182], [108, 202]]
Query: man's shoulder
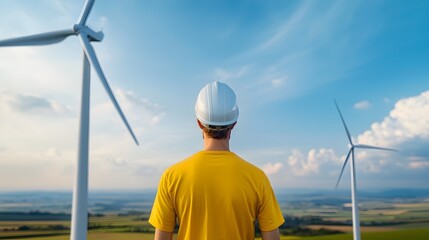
[[181, 164], [250, 166]]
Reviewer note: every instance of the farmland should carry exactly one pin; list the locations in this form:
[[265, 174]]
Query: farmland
[[318, 216]]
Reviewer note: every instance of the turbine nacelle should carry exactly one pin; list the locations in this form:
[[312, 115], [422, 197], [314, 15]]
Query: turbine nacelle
[[92, 35]]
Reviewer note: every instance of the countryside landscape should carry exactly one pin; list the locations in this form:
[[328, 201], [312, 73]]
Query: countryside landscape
[[310, 214]]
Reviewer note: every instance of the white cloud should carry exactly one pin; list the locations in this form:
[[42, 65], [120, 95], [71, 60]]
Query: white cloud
[[272, 168], [362, 105], [303, 165], [408, 120], [42, 142], [27, 102], [31, 69], [406, 128]]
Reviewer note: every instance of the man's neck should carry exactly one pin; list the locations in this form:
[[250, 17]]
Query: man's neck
[[211, 144]]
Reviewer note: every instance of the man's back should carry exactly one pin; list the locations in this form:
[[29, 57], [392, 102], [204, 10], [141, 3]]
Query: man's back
[[215, 195]]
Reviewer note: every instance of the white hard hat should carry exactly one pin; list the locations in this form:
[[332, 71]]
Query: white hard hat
[[216, 105]]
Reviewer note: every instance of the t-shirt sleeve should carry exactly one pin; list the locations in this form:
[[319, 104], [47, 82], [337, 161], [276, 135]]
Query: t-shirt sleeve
[[270, 215], [163, 216]]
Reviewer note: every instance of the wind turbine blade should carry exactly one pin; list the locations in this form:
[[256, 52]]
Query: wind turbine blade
[[85, 12], [344, 123], [374, 147], [90, 54], [38, 39], [342, 169]]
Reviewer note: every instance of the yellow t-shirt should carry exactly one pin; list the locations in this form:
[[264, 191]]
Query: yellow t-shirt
[[215, 195]]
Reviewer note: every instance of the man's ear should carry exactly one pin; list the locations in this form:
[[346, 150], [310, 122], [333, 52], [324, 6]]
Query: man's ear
[[199, 124]]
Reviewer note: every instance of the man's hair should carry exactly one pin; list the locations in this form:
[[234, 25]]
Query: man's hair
[[217, 132]]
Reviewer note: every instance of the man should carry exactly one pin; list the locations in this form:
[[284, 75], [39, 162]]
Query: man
[[215, 194]]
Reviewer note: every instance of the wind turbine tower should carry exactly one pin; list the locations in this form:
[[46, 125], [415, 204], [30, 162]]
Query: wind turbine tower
[[352, 146], [86, 35]]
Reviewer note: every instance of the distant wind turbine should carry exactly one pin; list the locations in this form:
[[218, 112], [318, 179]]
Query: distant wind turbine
[[355, 207], [86, 35]]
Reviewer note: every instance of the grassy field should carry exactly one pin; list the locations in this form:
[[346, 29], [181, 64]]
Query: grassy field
[[414, 234], [104, 236]]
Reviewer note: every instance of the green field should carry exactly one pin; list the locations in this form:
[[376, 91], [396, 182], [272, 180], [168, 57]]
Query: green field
[[104, 236], [414, 234]]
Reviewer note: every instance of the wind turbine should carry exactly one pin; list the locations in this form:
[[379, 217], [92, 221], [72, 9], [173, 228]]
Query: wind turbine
[[352, 146], [86, 35]]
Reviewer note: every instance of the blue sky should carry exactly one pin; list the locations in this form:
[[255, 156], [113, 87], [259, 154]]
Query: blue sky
[[286, 60]]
